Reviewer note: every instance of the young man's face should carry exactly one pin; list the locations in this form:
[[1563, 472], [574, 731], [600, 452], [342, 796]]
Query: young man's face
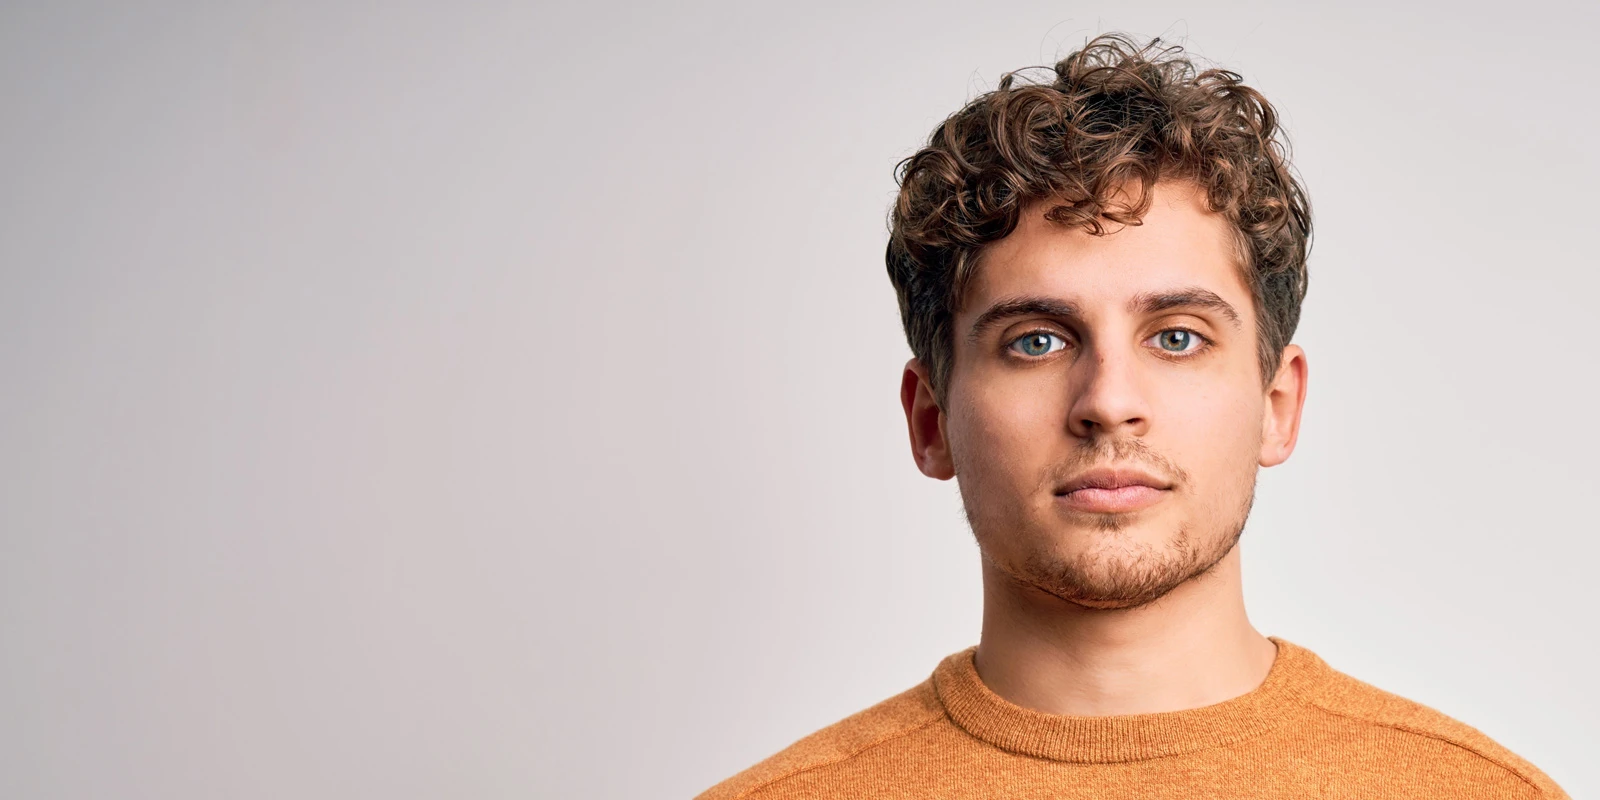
[[1106, 415]]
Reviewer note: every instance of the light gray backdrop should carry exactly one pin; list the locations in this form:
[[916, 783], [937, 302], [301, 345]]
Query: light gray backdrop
[[453, 400]]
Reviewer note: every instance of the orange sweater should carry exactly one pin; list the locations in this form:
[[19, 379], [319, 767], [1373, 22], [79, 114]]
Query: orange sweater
[[1306, 731]]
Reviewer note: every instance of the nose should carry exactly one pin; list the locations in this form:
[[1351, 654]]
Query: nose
[[1109, 400]]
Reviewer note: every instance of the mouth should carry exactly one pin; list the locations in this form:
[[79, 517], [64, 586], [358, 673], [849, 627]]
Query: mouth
[[1112, 491]]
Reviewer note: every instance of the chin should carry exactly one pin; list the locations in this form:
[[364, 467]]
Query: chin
[[1102, 595], [1117, 568]]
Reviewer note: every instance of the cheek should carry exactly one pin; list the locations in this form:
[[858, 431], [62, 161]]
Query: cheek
[[999, 431], [1217, 431]]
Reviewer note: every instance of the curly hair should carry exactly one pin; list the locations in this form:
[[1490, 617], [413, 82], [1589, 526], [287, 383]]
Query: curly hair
[[1115, 112]]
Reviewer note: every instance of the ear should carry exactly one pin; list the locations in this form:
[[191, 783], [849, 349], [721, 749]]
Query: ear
[[929, 447], [1280, 422]]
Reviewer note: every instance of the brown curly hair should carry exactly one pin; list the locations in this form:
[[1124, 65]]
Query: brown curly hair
[[1115, 112]]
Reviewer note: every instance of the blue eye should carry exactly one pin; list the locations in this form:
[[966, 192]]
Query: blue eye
[[1038, 343], [1178, 340]]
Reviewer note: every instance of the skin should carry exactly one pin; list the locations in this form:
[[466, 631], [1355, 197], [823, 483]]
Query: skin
[[1117, 601]]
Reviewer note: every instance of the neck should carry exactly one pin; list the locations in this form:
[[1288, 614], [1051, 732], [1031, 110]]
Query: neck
[[1193, 647]]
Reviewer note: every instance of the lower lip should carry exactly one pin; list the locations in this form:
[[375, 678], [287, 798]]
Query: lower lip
[[1110, 501]]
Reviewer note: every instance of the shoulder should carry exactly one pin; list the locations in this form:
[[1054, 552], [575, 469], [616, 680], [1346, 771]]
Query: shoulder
[[877, 726], [1448, 743]]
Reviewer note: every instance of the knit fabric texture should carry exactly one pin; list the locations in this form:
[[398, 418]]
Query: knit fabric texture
[[1307, 731]]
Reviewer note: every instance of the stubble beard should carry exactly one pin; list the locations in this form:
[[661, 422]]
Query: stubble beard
[[1118, 571]]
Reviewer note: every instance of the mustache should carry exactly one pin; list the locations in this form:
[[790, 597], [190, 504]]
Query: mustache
[[1098, 451]]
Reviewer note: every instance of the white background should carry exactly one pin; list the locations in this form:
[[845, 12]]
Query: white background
[[456, 400]]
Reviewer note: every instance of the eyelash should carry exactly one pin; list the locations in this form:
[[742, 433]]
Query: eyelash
[[1205, 343]]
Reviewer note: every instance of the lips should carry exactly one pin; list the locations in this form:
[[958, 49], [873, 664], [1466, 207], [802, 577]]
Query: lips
[[1113, 490]]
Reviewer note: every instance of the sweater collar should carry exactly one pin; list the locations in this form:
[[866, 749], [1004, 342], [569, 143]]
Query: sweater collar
[[1295, 672]]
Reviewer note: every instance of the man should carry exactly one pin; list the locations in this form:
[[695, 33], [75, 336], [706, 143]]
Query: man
[[1099, 277]]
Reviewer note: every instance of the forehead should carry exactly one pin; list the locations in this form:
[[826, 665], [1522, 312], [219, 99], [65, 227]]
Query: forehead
[[1181, 243]]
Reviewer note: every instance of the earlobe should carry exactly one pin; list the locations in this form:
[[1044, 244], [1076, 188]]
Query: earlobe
[[1280, 424], [925, 422]]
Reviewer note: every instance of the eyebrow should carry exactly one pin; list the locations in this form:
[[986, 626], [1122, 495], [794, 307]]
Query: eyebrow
[[1022, 307], [1189, 297], [1142, 303]]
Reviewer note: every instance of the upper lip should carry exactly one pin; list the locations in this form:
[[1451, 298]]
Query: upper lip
[[1112, 478]]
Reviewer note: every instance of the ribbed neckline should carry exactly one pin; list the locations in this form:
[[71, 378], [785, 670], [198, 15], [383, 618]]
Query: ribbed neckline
[[1295, 672]]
